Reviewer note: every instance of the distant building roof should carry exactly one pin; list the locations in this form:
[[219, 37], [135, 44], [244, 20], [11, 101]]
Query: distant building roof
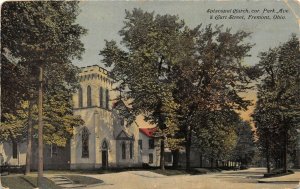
[[149, 132]]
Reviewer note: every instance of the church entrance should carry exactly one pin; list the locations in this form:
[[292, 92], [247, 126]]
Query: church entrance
[[104, 159], [104, 154]]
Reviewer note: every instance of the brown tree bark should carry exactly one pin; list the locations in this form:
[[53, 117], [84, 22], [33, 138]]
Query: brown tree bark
[[188, 148], [201, 160], [162, 154], [29, 138]]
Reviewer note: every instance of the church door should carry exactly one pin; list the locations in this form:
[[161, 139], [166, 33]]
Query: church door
[[104, 159], [104, 154]]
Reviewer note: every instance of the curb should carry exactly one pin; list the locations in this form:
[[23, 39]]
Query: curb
[[283, 182]]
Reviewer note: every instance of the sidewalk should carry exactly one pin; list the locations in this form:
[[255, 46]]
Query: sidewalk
[[292, 178]]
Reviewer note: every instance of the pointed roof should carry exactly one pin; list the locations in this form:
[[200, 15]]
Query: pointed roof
[[124, 136], [149, 132]]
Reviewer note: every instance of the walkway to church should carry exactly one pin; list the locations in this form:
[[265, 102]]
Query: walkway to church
[[247, 179]]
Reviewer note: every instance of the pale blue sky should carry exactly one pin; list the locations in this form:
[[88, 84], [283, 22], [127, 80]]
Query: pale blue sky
[[104, 19]]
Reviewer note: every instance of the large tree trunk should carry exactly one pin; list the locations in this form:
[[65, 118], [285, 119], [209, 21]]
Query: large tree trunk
[[29, 139], [211, 162], [217, 163], [188, 149], [162, 154], [175, 154], [285, 153], [201, 159], [268, 158]]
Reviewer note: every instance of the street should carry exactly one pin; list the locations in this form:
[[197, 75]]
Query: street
[[245, 179]]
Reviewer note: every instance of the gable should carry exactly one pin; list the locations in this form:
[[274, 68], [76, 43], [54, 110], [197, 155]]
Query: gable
[[124, 136]]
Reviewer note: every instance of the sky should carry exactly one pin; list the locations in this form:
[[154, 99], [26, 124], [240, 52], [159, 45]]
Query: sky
[[104, 19]]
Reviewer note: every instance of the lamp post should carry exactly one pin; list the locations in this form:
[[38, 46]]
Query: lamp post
[[40, 127], [0, 169]]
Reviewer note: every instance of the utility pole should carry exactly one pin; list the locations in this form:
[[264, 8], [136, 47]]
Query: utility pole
[[40, 128]]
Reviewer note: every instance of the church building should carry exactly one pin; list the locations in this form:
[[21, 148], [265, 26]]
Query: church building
[[105, 140]]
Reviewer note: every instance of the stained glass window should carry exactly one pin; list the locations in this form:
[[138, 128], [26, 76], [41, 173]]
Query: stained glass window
[[85, 143]]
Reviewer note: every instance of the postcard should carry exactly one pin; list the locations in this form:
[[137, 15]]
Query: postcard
[[150, 94]]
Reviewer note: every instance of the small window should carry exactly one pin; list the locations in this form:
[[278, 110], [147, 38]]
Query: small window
[[15, 150], [107, 99], [140, 144], [80, 104], [150, 158], [151, 144], [131, 150], [53, 150], [123, 150], [89, 96], [85, 143]]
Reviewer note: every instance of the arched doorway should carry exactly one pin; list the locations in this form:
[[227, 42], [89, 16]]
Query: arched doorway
[[104, 154]]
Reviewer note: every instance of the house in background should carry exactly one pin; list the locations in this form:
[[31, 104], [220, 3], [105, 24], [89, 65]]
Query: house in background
[[149, 146]]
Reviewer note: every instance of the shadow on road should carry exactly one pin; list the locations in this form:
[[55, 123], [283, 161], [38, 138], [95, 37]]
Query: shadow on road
[[244, 176]]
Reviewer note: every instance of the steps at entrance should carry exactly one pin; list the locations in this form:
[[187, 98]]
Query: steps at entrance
[[64, 182]]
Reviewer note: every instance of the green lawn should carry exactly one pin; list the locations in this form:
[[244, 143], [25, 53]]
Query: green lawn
[[77, 179], [26, 182]]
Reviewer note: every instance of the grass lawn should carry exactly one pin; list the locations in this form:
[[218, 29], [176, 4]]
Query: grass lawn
[[26, 182], [78, 179]]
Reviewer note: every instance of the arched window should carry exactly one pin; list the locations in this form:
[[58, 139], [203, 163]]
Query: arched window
[[89, 96], [107, 99], [80, 98], [85, 142], [104, 145], [123, 150], [131, 150], [101, 97]]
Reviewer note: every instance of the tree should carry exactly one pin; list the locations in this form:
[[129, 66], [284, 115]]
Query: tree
[[41, 35], [244, 150], [216, 138], [212, 78], [278, 107], [143, 65]]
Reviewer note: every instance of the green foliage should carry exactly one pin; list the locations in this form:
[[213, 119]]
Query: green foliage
[[244, 150], [277, 112], [58, 120], [209, 81], [217, 135], [177, 76], [143, 65], [38, 34]]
